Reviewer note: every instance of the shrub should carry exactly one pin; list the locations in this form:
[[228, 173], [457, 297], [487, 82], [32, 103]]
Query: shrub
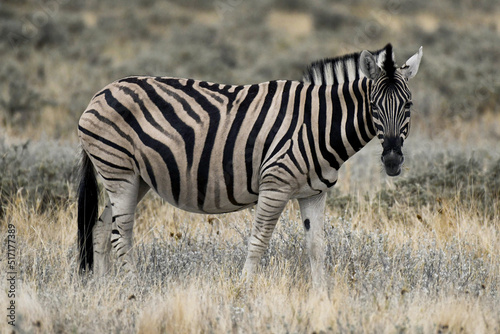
[[20, 100], [464, 180], [42, 172]]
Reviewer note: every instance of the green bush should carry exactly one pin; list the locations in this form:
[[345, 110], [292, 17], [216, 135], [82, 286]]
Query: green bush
[[470, 181], [42, 172], [21, 101]]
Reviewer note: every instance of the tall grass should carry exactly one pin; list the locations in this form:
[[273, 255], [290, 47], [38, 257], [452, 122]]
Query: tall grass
[[439, 271]]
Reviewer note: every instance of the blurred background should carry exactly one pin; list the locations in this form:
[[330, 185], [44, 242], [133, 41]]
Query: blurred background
[[56, 54]]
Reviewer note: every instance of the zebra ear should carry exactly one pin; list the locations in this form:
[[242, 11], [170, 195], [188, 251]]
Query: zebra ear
[[368, 64], [410, 68]]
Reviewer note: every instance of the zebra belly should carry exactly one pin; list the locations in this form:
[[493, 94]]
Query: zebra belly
[[220, 210], [223, 205], [211, 198]]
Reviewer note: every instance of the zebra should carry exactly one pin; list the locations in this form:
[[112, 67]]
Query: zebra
[[214, 148]]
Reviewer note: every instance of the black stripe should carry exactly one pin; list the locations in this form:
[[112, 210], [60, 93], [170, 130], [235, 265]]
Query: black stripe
[[351, 133], [327, 155], [114, 179], [150, 171], [302, 149], [346, 72], [110, 123], [362, 111], [274, 177], [109, 164], [228, 154], [335, 131], [323, 74], [272, 199], [269, 212], [168, 113], [366, 87], [295, 116], [135, 97], [285, 168], [285, 96], [310, 135], [155, 145], [121, 215], [334, 75], [218, 99], [294, 160], [223, 91], [214, 115], [259, 122], [109, 191], [110, 144], [356, 65], [185, 105], [117, 250], [276, 190]]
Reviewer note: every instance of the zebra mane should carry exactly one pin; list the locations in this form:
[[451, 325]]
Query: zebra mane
[[388, 65], [334, 71]]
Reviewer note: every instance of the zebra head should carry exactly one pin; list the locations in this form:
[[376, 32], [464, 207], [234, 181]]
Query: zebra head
[[390, 102]]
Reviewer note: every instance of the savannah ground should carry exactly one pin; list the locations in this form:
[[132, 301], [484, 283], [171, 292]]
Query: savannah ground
[[415, 254]]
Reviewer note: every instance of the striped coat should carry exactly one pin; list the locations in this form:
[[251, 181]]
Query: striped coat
[[247, 132]]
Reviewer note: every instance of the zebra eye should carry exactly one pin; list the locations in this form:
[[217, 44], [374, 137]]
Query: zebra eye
[[408, 105], [374, 106]]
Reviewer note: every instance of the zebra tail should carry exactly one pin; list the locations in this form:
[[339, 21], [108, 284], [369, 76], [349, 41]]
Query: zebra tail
[[88, 198]]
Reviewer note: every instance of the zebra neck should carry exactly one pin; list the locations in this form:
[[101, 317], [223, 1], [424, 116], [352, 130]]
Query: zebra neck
[[352, 124]]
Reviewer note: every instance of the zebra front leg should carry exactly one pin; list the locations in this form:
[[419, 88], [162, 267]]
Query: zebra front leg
[[312, 210], [102, 242], [270, 205]]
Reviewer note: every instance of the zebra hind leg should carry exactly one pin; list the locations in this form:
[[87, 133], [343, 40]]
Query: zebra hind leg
[[123, 197], [270, 205], [312, 211], [102, 242], [102, 234]]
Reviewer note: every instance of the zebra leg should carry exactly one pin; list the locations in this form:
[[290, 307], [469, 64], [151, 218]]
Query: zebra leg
[[270, 205], [102, 235], [312, 211], [123, 204], [102, 242]]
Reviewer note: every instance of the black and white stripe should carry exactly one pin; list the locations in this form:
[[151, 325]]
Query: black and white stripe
[[212, 148], [334, 71]]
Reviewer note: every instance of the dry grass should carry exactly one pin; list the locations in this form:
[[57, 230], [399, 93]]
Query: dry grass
[[431, 271], [399, 265]]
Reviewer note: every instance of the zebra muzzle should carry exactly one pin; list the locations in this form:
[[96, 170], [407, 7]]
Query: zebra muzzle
[[393, 161]]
